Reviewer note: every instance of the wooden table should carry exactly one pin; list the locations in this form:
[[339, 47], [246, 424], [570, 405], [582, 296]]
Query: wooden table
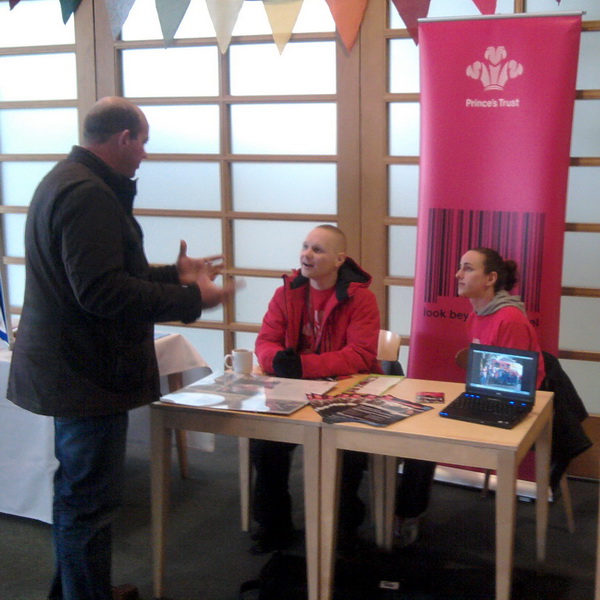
[[430, 437], [302, 427]]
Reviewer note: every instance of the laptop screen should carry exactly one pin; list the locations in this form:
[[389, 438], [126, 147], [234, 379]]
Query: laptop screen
[[502, 372]]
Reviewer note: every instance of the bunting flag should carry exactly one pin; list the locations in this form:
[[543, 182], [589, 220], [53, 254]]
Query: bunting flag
[[3, 330], [13, 3], [282, 15], [68, 7], [410, 12], [486, 7], [348, 15], [118, 10], [170, 14], [224, 14]]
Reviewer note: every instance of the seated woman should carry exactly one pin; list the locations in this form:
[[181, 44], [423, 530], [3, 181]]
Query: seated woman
[[498, 319]]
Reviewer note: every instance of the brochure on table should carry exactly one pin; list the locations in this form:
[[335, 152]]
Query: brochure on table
[[252, 393]]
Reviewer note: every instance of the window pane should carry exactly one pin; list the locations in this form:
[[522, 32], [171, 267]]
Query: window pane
[[269, 244], [586, 128], [400, 309], [588, 71], [586, 377], [304, 68], [404, 190], [579, 323], [404, 129], [285, 187], [251, 303], [34, 23], [171, 72], [38, 77], [584, 183], [178, 186], [580, 267], [16, 284], [183, 129], [18, 181], [38, 130], [404, 66], [403, 250], [591, 7], [284, 128], [162, 236], [143, 24], [245, 339], [14, 234]]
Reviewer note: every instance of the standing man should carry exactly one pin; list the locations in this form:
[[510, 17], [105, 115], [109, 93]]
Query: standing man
[[323, 322], [85, 349]]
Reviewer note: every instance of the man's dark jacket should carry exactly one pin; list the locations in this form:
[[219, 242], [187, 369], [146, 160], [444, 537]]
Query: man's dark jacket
[[85, 342]]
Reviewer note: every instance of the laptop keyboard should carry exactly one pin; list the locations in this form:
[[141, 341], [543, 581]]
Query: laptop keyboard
[[474, 403]]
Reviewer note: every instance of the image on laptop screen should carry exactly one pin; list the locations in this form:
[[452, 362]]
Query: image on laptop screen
[[502, 372]]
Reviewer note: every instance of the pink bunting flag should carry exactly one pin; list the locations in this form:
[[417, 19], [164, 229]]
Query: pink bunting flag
[[410, 11], [486, 7], [348, 15]]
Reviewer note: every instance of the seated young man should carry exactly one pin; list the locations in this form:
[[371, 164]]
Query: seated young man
[[323, 322]]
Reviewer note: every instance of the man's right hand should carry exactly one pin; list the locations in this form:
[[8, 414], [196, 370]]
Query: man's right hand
[[212, 294]]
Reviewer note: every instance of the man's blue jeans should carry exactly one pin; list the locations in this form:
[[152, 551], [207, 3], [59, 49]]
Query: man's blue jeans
[[88, 488]]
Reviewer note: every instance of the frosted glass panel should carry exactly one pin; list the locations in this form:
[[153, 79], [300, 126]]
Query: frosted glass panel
[[245, 339], [404, 66], [400, 309], [304, 68], [579, 323], [403, 247], [143, 24], [285, 187], [581, 267], [38, 77], [404, 190], [450, 8], [586, 128], [16, 284], [251, 303], [585, 376], [183, 129], [18, 181], [179, 186], [591, 7], [314, 16], [588, 72], [404, 129], [269, 244], [584, 183], [207, 342], [38, 130], [284, 128], [162, 235], [171, 72], [34, 23], [14, 234]]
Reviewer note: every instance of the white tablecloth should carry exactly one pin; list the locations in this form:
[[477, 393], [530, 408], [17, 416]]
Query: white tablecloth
[[27, 461]]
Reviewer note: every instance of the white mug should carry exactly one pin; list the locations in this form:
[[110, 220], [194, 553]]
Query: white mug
[[240, 360]]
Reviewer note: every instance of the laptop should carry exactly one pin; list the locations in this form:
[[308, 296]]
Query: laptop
[[500, 387]]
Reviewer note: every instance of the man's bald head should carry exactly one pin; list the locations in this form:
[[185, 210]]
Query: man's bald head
[[112, 115]]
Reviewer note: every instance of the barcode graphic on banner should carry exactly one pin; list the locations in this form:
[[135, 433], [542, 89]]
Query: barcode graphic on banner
[[515, 235]]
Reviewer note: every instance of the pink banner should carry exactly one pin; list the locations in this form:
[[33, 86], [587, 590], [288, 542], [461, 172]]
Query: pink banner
[[497, 97]]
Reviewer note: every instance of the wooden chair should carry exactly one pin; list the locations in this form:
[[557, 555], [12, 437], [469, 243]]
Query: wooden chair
[[388, 349], [461, 359]]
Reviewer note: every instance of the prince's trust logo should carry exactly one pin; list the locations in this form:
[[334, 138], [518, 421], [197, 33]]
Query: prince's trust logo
[[494, 75]]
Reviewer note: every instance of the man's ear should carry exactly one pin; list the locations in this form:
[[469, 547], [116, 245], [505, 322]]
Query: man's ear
[[124, 137], [341, 257]]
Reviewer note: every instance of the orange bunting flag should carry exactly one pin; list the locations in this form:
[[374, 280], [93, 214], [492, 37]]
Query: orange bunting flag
[[486, 7], [224, 14], [348, 15], [411, 11], [282, 15]]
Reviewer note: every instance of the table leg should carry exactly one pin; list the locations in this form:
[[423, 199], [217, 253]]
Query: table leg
[[377, 480], [160, 484], [312, 508], [389, 506], [175, 382], [245, 481], [506, 510], [331, 474], [542, 477]]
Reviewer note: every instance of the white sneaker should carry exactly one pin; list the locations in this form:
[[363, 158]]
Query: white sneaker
[[406, 530]]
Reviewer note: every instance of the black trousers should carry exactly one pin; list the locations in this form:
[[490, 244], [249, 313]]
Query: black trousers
[[272, 501], [414, 489]]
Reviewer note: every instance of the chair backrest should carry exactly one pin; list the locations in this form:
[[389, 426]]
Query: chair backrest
[[389, 344]]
